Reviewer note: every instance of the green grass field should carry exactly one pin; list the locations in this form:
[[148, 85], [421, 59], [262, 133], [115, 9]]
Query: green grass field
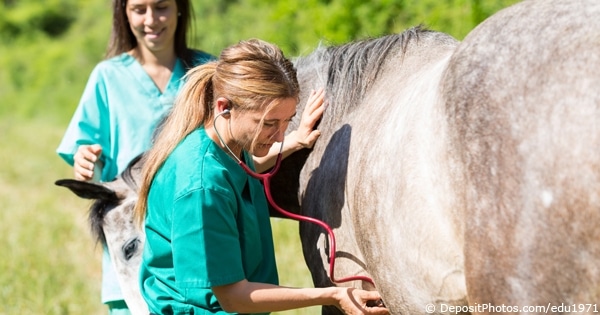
[[50, 264]]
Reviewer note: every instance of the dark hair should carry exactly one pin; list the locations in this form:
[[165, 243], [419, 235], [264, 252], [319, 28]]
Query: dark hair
[[123, 40]]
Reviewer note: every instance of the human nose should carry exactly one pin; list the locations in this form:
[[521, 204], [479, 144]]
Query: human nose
[[149, 17], [280, 133]]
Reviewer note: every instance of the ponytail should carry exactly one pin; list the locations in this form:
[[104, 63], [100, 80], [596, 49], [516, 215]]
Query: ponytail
[[250, 74], [191, 110]]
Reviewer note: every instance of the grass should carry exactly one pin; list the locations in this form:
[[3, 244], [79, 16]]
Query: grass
[[50, 263]]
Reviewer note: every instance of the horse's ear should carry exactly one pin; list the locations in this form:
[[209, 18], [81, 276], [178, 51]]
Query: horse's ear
[[88, 190]]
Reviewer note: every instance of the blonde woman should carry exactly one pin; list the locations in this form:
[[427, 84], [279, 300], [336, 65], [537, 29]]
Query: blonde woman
[[209, 247]]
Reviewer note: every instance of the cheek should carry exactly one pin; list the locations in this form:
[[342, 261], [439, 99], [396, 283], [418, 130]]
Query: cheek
[[135, 22], [243, 132], [266, 134]]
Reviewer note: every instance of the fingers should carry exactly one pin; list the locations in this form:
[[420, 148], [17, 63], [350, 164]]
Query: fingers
[[315, 107], [82, 173], [372, 303], [378, 310], [84, 160], [371, 296], [305, 136], [356, 301], [315, 100]]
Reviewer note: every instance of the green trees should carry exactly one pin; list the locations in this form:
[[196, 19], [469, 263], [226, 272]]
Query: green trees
[[298, 26], [47, 49]]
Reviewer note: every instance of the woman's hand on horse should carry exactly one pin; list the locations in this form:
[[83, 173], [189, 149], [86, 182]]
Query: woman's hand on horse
[[84, 160], [306, 135], [355, 301]]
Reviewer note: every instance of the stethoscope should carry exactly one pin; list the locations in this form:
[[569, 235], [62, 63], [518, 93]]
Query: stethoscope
[[266, 180]]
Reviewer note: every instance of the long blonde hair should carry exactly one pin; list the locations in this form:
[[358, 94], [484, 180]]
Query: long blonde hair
[[251, 74]]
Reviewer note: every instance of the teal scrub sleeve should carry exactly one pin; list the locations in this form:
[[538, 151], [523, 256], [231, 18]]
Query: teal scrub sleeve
[[90, 122], [205, 240]]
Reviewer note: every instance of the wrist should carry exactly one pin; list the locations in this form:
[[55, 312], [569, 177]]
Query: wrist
[[335, 295], [292, 141]]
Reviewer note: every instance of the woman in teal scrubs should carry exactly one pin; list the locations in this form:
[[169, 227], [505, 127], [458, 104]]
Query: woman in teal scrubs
[[209, 247], [126, 95]]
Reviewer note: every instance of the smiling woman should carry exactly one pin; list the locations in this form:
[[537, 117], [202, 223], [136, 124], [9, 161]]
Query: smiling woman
[[154, 24], [125, 97]]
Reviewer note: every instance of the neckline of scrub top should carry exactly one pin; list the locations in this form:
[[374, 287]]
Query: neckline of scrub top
[[146, 81], [239, 176]]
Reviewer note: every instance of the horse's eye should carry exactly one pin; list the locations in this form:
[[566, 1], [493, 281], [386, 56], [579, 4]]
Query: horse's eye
[[130, 248]]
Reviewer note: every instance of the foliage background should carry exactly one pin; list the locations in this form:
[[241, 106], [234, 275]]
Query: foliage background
[[47, 50]]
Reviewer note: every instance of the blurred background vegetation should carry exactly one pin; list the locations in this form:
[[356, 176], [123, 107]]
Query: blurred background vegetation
[[47, 50]]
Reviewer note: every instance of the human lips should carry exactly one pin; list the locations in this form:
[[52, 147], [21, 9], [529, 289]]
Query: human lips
[[265, 146], [153, 34]]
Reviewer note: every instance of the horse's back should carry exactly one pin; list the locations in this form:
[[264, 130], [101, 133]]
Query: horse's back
[[524, 102]]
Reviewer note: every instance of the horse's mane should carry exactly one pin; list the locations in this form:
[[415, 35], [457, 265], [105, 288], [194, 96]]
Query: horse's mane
[[353, 67]]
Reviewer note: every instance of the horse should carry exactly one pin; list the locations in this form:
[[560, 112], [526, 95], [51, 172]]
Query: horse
[[458, 176], [112, 224]]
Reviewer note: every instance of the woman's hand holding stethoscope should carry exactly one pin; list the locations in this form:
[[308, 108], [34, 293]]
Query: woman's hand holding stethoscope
[[358, 302], [85, 161]]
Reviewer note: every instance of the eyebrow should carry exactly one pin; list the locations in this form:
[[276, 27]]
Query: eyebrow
[[143, 4], [273, 120]]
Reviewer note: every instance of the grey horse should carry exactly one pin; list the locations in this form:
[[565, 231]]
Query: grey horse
[[458, 176], [111, 222]]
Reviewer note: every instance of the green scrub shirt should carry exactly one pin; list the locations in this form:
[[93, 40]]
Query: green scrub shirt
[[119, 109], [207, 224]]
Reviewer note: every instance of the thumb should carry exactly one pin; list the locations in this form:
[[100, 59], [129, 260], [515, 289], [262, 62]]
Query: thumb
[[372, 295], [312, 138], [96, 149]]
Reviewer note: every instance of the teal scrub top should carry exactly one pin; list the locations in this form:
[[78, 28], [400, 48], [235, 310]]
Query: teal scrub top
[[119, 109], [207, 224]]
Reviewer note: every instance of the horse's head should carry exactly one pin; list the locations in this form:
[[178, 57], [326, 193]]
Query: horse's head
[[111, 220]]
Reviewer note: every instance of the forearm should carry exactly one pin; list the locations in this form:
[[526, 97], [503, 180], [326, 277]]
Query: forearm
[[250, 297]]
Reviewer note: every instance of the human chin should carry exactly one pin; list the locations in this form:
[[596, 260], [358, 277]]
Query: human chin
[[261, 150]]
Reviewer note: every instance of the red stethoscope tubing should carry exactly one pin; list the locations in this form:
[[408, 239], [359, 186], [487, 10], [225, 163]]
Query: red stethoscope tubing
[[266, 180]]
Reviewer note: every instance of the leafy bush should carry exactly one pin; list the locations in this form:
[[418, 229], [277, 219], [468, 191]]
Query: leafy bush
[[29, 18]]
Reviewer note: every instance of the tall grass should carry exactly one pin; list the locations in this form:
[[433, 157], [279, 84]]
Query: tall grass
[[50, 264]]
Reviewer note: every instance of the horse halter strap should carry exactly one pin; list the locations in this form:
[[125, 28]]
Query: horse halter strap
[[266, 180]]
